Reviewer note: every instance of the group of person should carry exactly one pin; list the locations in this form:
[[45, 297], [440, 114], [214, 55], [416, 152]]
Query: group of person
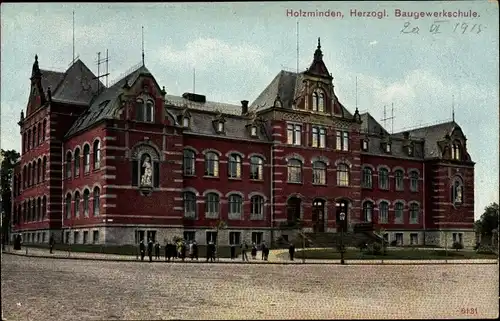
[[244, 249]]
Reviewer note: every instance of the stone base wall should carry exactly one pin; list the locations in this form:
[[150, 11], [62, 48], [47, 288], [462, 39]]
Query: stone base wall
[[445, 238], [38, 237]]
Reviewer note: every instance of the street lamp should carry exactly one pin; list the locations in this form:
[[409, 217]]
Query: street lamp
[[342, 218]]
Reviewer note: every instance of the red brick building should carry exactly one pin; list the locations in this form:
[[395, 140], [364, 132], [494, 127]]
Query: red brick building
[[111, 165]]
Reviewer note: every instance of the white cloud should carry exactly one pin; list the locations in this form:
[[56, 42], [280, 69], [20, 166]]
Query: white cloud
[[373, 43]]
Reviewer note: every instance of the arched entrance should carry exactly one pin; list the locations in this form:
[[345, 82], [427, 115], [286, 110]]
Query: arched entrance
[[318, 216], [341, 206], [293, 206]]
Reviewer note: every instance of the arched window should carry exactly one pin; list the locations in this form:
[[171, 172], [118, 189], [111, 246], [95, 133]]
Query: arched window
[[383, 179], [29, 211], [212, 205], [44, 167], [235, 206], [25, 177], [149, 111], [44, 128], [29, 175], [68, 164], [38, 135], [39, 171], [315, 101], [44, 208], [29, 139], [189, 163], [86, 158], [68, 206], [39, 209], [34, 137], [189, 204], [321, 102], [319, 173], [457, 190], [294, 171], [25, 212], [398, 213], [97, 201], [86, 198], [414, 181], [342, 174], [97, 154], [398, 180], [77, 162], [211, 164], [33, 173], [256, 168], [144, 111], [455, 151], [25, 143], [77, 204], [414, 212], [383, 212], [234, 166], [368, 211], [367, 178], [257, 207]]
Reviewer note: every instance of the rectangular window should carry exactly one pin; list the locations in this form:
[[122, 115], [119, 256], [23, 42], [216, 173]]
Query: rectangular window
[[76, 238], [383, 213], [315, 137], [234, 238], [151, 236], [189, 236], [256, 168], [85, 237], [364, 145], [398, 213], [67, 237], [318, 137], [294, 133], [342, 140], [399, 239], [95, 237], [413, 239], [338, 141], [235, 207], [345, 141], [257, 237], [211, 237]]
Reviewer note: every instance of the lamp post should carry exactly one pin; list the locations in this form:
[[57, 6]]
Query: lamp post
[[342, 218], [137, 244]]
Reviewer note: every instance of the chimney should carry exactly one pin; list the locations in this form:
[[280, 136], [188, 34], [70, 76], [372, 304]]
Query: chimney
[[244, 107], [406, 135]]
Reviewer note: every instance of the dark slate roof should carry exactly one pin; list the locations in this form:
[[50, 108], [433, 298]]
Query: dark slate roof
[[51, 79], [104, 105], [370, 126], [78, 85], [207, 106]]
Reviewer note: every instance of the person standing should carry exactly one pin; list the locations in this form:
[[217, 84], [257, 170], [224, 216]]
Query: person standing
[[183, 250], [51, 243], [263, 249], [254, 251], [150, 250], [244, 249], [157, 250], [291, 251], [191, 250], [233, 251], [195, 250], [209, 251], [167, 249], [142, 249]]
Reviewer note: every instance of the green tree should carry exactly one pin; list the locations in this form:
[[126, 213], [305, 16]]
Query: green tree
[[488, 221], [8, 159]]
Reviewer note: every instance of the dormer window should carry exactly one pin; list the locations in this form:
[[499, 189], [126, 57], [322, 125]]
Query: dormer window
[[387, 147], [185, 122], [318, 100], [409, 150], [220, 127], [144, 110], [253, 131], [455, 151], [364, 145]]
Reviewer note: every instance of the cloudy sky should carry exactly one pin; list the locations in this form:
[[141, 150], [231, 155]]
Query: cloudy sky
[[237, 49]]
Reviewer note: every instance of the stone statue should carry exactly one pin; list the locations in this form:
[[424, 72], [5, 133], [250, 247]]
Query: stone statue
[[148, 172], [458, 198]]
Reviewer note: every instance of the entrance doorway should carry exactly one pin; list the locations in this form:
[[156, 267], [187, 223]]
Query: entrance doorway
[[318, 216], [293, 209], [341, 207]]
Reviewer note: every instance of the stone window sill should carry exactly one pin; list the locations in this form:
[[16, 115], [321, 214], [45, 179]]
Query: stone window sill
[[234, 178], [211, 177], [367, 187], [296, 183], [257, 180], [256, 218], [319, 184]]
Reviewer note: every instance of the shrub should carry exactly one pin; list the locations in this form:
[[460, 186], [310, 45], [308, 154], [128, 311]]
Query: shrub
[[457, 246], [377, 248], [362, 245]]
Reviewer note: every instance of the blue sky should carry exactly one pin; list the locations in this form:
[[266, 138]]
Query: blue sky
[[238, 48]]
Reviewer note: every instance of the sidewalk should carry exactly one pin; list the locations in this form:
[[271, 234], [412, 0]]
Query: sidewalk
[[275, 257]]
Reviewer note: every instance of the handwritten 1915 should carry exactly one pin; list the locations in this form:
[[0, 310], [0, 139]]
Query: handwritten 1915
[[441, 26]]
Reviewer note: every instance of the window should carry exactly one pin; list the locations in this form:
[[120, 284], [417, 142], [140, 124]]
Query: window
[[33, 173], [234, 166], [294, 171], [294, 132], [212, 205], [29, 139], [44, 126], [189, 162], [413, 239], [234, 238], [66, 237], [68, 165], [399, 239], [342, 140], [44, 167], [256, 167], [364, 145], [457, 190], [414, 210], [398, 213], [144, 111], [367, 178], [77, 204], [253, 131], [220, 127], [68, 205], [398, 178], [39, 171], [455, 151], [77, 162], [211, 164], [235, 206], [97, 154], [367, 211], [383, 212], [97, 202], [189, 199], [95, 237], [458, 238], [189, 236], [388, 148], [85, 237], [413, 181], [76, 238], [409, 150], [185, 122], [86, 158], [257, 237], [342, 175], [86, 197], [318, 101], [383, 179], [33, 142], [318, 137], [319, 173], [211, 237], [257, 207]]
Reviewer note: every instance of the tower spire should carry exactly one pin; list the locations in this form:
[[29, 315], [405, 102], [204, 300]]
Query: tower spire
[[318, 54], [453, 108], [143, 45], [73, 36]]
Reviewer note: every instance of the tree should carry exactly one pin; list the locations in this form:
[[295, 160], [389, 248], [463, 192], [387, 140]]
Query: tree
[[8, 159], [219, 225], [488, 221]]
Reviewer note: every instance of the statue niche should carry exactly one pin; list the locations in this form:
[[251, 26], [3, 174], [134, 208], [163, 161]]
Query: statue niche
[[146, 170]]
